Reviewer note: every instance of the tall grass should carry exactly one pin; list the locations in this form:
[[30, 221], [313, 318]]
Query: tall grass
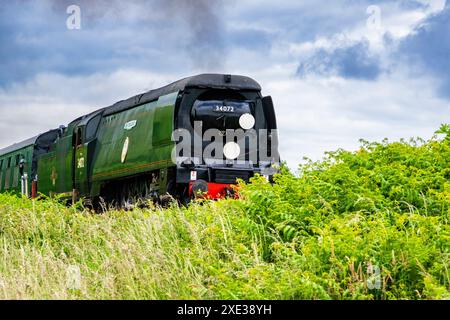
[[371, 224], [144, 254]]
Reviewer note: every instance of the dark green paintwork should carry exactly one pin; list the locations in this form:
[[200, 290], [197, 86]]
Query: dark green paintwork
[[64, 163], [47, 174], [100, 160], [10, 180], [55, 167], [149, 141]]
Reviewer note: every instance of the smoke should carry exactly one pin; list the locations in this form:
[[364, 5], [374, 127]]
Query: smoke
[[205, 29], [196, 25]]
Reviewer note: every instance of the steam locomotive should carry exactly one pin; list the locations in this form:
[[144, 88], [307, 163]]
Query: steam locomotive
[[198, 135]]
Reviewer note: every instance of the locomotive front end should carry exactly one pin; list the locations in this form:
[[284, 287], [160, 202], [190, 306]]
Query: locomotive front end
[[226, 132]]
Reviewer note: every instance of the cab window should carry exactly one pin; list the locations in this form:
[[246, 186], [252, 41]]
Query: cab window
[[91, 128], [79, 138]]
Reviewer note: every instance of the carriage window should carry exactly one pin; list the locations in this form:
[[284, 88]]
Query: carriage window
[[1, 165], [17, 159], [8, 163]]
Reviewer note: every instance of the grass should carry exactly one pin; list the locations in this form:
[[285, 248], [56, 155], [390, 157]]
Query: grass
[[371, 224]]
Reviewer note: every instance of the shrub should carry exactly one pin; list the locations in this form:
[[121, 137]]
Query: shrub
[[370, 224]]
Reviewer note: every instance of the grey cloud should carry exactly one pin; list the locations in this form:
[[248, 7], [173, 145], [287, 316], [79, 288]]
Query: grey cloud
[[153, 35], [354, 61], [427, 50], [197, 23]]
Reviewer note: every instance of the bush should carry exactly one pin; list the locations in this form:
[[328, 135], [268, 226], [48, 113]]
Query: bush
[[371, 224], [381, 210]]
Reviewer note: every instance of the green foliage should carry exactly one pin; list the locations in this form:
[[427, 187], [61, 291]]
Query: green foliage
[[445, 129], [386, 205], [371, 224]]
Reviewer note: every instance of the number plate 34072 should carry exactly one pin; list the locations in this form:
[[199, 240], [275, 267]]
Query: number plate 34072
[[224, 109]]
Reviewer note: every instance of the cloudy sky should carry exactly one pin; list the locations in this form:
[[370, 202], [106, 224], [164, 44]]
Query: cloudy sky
[[338, 72]]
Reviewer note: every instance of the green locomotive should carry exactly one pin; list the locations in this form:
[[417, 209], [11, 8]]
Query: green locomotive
[[130, 150]]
